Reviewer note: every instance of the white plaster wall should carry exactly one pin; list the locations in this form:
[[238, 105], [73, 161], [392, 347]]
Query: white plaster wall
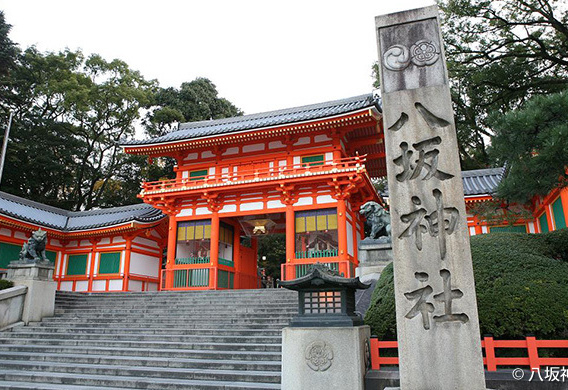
[[134, 285], [212, 171], [484, 230], [185, 213], [118, 239], [297, 160], [230, 151], [325, 199], [144, 265], [282, 163], [228, 208], [145, 241], [252, 206], [253, 148], [20, 235], [191, 156], [185, 174], [207, 154], [66, 286], [202, 211], [305, 201], [472, 230], [329, 156], [276, 145], [85, 243], [302, 141], [105, 240], [115, 284], [122, 261], [321, 138], [99, 285], [82, 285], [350, 239], [273, 204], [5, 232], [151, 286]]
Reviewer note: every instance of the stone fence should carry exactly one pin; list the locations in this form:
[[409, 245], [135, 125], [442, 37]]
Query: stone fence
[[12, 306]]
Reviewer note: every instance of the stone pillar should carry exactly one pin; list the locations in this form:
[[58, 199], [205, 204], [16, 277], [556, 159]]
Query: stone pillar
[[436, 310], [38, 278], [324, 358]]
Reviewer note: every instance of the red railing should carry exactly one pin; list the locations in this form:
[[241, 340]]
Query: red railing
[[253, 175], [530, 345]]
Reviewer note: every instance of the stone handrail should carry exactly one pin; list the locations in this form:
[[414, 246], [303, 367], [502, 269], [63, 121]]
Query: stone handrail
[[12, 305]]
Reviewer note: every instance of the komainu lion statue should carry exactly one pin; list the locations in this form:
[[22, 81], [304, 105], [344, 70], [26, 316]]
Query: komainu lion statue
[[378, 219], [33, 251]]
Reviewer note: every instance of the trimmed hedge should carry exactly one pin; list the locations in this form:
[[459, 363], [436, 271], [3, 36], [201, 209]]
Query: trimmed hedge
[[521, 284], [4, 284]]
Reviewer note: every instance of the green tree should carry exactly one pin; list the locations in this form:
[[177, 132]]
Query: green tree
[[533, 143], [273, 247], [70, 113], [8, 49], [196, 100], [500, 54]]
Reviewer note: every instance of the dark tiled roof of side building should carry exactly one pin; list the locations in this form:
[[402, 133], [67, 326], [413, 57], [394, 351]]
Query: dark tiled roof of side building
[[477, 181], [236, 124], [68, 221], [482, 181]]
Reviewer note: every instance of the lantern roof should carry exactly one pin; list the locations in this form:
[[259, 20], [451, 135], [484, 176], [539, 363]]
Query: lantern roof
[[321, 277]]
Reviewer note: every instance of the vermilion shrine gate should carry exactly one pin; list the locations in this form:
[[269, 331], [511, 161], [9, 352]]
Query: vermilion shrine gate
[[301, 171]]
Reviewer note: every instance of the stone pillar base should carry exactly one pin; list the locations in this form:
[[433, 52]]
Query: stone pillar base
[[325, 358], [40, 298], [374, 256]]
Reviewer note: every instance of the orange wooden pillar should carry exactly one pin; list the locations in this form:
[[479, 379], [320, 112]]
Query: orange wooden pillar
[[127, 255], [342, 229], [93, 251], [237, 257], [564, 201], [214, 252], [171, 255], [290, 241]]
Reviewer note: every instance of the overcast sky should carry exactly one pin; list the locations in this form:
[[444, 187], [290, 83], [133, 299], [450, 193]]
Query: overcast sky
[[261, 55]]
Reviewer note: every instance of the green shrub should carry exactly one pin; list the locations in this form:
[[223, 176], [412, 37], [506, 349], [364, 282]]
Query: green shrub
[[521, 284], [5, 284]]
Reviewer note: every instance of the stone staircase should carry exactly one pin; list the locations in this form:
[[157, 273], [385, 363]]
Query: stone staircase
[[152, 340]]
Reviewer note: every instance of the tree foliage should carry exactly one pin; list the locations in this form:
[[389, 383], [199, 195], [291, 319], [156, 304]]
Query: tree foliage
[[533, 143], [71, 111], [273, 247], [521, 283], [69, 114], [500, 54], [197, 100]]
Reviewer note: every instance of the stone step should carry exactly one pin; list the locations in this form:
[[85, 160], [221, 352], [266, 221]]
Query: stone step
[[201, 374], [188, 325], [130, 382], [177, 316], [150, 337], [144, 352], [145, 344], [212, 364], [9, 385], [248, 332]]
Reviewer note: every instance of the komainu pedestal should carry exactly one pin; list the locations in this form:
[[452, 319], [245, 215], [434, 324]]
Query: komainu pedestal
[[436, 310], [40, 298]]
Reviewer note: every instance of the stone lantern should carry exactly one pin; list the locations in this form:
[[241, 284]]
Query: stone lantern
[[326, 345], [325, 298]]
